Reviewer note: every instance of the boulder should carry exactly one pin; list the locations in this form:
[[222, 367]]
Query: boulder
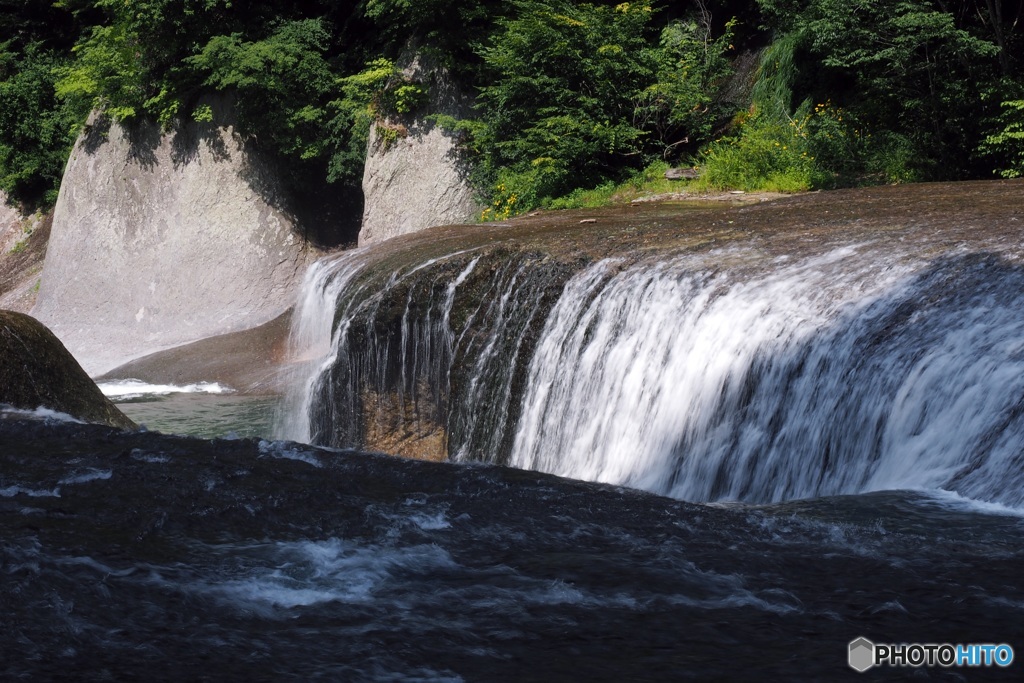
[[37, 371], [682, 174], [164, 238], [413, 178]]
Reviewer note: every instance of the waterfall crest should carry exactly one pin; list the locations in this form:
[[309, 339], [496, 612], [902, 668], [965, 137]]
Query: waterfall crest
[[752, 372]]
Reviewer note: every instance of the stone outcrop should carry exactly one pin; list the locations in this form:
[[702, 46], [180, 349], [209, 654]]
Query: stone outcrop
[[10, 224], [160, 239], [413, 178], [22, 249], [37, 371], [249, 361]]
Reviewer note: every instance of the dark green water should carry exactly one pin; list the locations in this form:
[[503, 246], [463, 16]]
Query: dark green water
[[206, 416]]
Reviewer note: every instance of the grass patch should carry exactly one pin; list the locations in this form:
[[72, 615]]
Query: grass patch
[[765, 156], [650, 181]]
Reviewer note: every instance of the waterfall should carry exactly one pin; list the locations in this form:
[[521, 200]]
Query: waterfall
[[823, 376], [312, 341], [739, 373]]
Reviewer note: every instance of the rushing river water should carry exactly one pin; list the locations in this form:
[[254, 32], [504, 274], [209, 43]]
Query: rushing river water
[[136, 556], [781, 431]]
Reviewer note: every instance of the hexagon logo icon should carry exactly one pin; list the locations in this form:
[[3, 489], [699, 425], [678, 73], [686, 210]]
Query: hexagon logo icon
[[862, 654]]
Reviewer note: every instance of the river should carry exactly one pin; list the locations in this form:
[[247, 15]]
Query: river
[[686, 444]]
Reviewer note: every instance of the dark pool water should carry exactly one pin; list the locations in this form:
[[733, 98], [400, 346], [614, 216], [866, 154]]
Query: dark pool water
[[139, 556]]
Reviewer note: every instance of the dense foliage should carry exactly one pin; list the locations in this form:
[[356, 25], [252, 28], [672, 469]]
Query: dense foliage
[[569, 95], [575, 93]]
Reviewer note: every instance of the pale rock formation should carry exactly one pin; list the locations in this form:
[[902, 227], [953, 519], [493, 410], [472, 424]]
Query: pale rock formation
[[160, 239], [22, 248], [417, 181]]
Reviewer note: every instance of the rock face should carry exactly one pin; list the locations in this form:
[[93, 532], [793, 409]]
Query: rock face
[[22, 249], [416, 181], [163, 239], [10, 220], [248, 361], [36, 370]]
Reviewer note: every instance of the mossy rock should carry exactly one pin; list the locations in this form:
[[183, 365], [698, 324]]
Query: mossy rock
[[36, 370]]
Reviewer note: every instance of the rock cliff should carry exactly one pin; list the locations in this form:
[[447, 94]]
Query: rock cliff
[[160, 239], [413, 178], [22, 248]]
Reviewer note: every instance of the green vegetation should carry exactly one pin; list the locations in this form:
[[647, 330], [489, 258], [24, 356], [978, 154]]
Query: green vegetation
[[576, 102], [1007, 142], [577, 94], [36, 128], [646, 182]]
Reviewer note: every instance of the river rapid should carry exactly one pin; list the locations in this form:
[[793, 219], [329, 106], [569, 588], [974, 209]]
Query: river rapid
[[137, 556], [683, 443]]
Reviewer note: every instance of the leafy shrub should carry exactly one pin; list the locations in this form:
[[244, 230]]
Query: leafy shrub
[[37, 130], [763, 155], [1007, 143], [836, 141]]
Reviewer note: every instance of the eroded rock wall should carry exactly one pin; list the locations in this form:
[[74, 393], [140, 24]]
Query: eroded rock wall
[[413, 178], [163, 239], [22, 248]]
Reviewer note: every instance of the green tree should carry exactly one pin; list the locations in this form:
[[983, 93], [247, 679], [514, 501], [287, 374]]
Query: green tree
[[37, 130], [907, 70], [576, 93], [680, 105], [1006, 144], [281, 83]]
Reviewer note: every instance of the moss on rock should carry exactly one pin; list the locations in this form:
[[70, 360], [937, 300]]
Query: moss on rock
[[36, 370]]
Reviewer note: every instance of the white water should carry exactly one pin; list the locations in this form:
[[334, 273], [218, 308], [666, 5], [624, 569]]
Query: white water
[[41, 413], [124, 389], [812, 379], [723, 375], [310, 341], [331, 291]]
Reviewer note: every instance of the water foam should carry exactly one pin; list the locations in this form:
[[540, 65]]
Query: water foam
[[288, 451], [307, 573], [9, 412], [86, 476], [125, 389]]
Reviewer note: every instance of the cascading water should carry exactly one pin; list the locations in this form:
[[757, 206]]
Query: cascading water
[[751, 372], [310, 340], [399, 351], [822, 377]]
